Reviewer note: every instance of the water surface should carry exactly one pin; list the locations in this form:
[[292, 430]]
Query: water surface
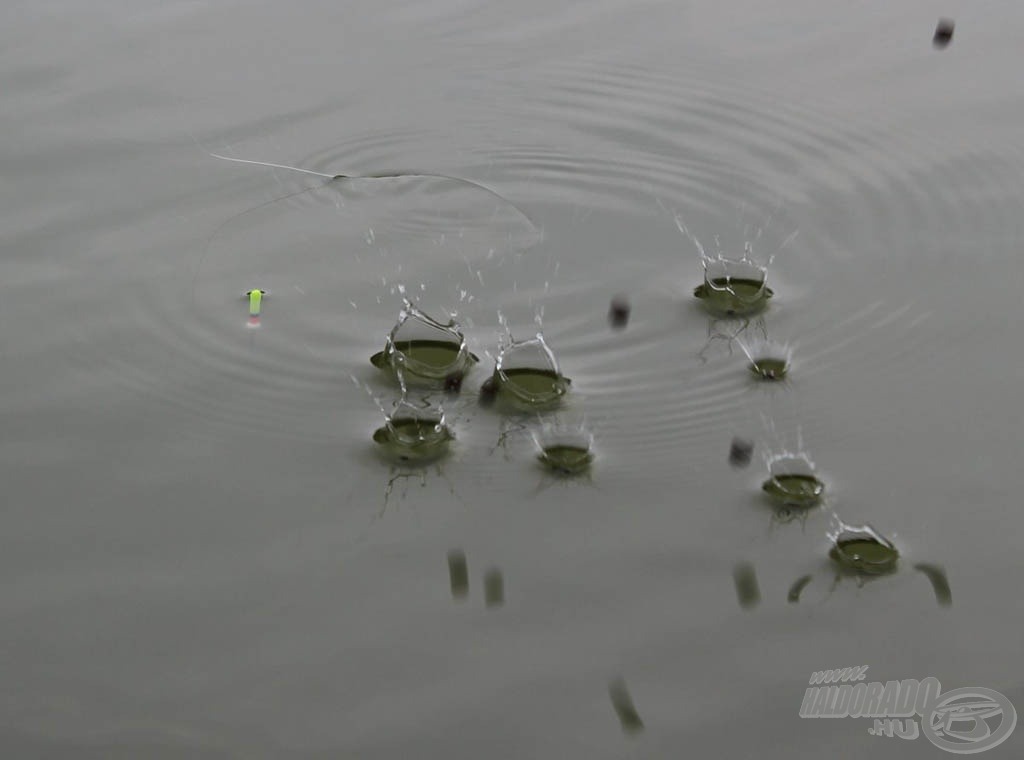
[[197, 556]]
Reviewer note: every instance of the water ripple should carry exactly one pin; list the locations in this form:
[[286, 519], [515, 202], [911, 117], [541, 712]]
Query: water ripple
[[604, 160]]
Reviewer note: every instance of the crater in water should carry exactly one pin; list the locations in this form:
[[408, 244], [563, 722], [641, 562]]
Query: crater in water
[[526, 376], [414, 435], [734, 287], [793, 481], [424, 352], [565, 448], [769, 360], [862, 550]]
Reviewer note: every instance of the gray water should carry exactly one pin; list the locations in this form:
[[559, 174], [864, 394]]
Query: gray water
[[199, 557]]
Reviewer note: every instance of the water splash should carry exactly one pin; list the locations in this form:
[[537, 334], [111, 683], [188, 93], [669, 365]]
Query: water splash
[[526, 374], [369, 392], [769, 359], [792, 476], [414, 434], [861, 549], [769, 231], [424, 352], [564, 446], [735, 285], [730, 332]]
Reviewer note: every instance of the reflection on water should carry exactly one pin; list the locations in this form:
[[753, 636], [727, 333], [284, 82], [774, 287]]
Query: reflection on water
[[748, 591], [458, 574], [405, 475], [625, 709], [861, 553], [494, 588], [852, 557], [458, 580], [936, 575], [793, 596]]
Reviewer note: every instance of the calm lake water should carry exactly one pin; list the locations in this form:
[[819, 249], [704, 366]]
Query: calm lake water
[[200, 553]]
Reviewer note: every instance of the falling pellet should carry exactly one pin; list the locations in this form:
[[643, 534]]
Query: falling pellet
[[618, 312], [740, 452], [943, 33]]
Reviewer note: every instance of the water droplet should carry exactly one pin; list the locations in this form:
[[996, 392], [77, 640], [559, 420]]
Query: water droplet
[[943, 33]]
